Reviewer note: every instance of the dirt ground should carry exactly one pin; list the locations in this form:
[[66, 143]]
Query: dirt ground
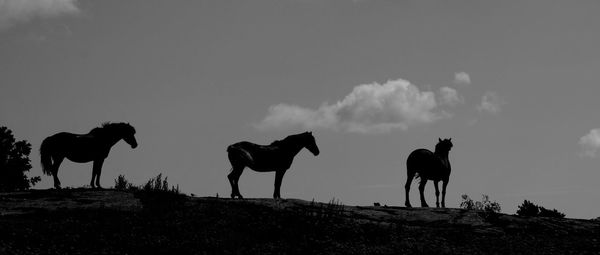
[[83, 221]]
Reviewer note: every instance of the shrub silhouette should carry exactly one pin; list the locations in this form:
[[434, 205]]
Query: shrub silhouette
[[487, 209], [123, 184], [530, 209], [156, 195], [550, 213], [14, 162], [484, 205]]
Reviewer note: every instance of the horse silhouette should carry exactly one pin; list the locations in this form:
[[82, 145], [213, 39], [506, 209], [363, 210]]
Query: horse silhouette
[[427, 165], [277, 157], [82, 148]]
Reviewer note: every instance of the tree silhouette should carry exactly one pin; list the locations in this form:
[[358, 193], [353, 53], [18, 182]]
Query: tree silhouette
[[14, 162]]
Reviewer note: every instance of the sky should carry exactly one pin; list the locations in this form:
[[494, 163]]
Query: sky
[[513, 83]]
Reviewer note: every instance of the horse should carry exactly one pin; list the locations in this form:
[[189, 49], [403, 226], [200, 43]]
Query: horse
[[276, 157], [82, 148], [427, 165]]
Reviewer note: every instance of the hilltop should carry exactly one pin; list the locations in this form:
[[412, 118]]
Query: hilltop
[[83, 221]]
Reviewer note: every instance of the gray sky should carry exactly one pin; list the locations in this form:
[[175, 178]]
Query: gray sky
[[513, 83]]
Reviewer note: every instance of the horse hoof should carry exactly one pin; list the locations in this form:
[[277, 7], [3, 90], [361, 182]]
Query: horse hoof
[[407, 205], [425, 205]]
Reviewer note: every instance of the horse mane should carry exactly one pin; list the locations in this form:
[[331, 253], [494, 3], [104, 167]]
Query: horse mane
[[287, 139], [117, 127]]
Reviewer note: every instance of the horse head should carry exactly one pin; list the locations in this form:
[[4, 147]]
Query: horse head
[[310, 143], [444, 145], [128, 135]]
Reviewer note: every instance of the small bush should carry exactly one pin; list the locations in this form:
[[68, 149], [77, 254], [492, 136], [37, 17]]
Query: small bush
[[14, 162], [486, 209], [123, 184], [551, 213], [160, 185], [530, 209], [156, 195], [484, 205]]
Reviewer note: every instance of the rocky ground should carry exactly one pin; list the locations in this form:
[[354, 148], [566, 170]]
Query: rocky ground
[[83, 221]]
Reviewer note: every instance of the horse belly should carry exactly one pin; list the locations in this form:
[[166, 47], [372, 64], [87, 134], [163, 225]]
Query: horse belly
[[268, 164], [86, 150], [423, 162], [81, 157]]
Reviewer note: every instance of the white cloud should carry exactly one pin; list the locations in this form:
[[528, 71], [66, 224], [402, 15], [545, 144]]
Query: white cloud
[[590, 143], [462, 78], [450, 96], [490, 102], [17, 11], [369, 108]]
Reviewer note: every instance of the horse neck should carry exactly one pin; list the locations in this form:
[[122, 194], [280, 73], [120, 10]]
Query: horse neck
[[293, 148], [442, 154], [110, 137]]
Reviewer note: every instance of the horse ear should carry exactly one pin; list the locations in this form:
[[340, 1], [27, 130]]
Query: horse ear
[[450, 139], [439, 139]]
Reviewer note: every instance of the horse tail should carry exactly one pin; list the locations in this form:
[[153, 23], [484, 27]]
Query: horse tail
[[45, 150]]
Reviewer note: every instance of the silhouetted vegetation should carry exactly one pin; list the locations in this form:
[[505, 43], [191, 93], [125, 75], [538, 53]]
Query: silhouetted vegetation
[[323, 213], [487, 209], [528, 209], [158, 184], [157, 195], [532, 210], [123, 184], [14, 162], [484, 205]]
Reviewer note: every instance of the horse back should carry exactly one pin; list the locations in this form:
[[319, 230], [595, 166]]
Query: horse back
[[420, 156], [427, 164], [257, 157]]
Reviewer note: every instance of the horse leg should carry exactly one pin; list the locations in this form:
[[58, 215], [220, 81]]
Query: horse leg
[[444, 184], [437, 194], [409, 179], [234, 177], [421, 191], [278, 177], [55, 166], [96, 171]]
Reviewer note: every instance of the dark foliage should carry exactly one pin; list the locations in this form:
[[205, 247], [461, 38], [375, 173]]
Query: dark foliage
[[532, 210], [156, 195], [123, 184], [488, 210], [528, 209], [14, 162], [484, 205], [550, 213]]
